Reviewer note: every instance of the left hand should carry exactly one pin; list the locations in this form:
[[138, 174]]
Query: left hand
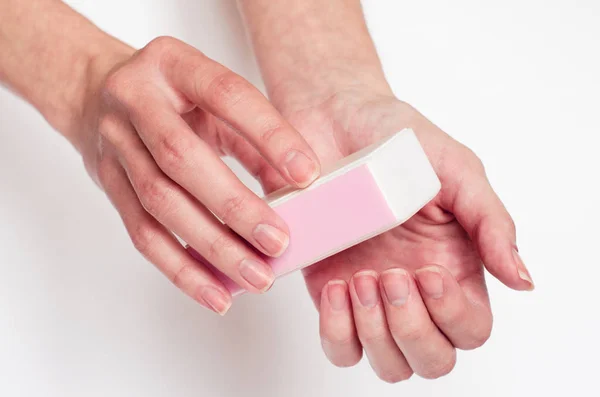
[[409, 297]]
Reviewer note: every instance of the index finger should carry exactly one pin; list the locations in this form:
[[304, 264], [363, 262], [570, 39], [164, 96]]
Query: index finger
[[233, 99]]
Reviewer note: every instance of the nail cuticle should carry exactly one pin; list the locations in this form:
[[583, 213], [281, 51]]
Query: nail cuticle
[[257, 274], [272, 240]]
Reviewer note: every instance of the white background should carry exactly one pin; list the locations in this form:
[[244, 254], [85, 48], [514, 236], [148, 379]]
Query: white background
[[82, 314]]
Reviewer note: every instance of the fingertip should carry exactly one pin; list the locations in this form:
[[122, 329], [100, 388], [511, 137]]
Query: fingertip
[[490, 226], [215, 299], [336, 293], [301, 169], [364, 284], [343, 359], [257, 274], [271, 240], [438, 287], [431, 281], [522, 271], [508, 267], [338, 336], [395, 286]]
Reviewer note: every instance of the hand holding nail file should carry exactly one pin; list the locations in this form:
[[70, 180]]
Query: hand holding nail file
[[362, 196]]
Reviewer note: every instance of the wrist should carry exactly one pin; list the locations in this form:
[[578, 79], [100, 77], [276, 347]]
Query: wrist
[[310, 50], [309, 86], [72, 119], [47, 54]]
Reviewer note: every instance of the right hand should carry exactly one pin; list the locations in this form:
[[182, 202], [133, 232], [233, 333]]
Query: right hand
[[151, 134]]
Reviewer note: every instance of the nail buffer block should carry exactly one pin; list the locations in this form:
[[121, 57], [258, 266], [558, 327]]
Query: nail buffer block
[[363, 195]]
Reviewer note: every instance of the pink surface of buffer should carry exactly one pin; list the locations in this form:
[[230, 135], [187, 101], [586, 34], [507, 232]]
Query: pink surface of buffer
[[364, 195]]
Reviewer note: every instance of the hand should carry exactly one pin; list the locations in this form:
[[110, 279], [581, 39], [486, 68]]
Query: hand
[[153, 127], [413, 295]]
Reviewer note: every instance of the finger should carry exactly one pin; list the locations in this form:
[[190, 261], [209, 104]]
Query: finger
[[173, 207], [426, 349], [227, 141], [465, 320], [490, 226], [234, 100], [193, 165], [338, 335], [385, 357], [159, 246]]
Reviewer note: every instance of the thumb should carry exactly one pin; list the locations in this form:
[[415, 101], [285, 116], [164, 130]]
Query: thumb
[[489, 225]]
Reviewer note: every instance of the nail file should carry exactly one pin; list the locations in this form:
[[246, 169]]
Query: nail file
[[360, 197]]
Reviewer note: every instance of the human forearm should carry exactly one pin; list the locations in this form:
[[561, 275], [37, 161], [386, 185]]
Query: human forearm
[[49, 54], [309, 49]]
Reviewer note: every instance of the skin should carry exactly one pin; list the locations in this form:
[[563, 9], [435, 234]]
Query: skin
[[410, 297], [145, 123], [151, 124]]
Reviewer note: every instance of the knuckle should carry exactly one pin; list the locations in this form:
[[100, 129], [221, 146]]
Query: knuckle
[[142, 237], [440, 368], [332, 336], [160, 44], [395, 376], [473, 161], [270, 131], [171, 153], [373, 336], [453, 318], [226, 89], [232, 208], [114, 84], [181, 277], [222, 243], [408, 331], [155, 196], [120, 85], [109, 127]]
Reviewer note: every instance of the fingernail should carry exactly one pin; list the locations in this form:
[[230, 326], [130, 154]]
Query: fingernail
[[337, 294], [365, 284], [522, 270], [301, 168], [260, 275], [430, 281], [216, 300], [395, 285], [271, 239]]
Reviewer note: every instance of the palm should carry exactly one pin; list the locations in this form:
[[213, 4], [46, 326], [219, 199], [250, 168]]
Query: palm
[[431, 236], [410, 246], [426, 316]]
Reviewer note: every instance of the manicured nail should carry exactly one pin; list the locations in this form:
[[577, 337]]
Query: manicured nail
[[301, 168], [216, 300], [365, 284], [396, 286], [260, 275], [522, 270], [271, 239], [337, 294], [430, 281]]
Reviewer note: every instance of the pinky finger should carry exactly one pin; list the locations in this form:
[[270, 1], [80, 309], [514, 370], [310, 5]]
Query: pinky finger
[[338, 334], [159, 246]]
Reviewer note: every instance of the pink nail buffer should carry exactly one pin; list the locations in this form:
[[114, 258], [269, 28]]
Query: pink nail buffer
[[363, 195]]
